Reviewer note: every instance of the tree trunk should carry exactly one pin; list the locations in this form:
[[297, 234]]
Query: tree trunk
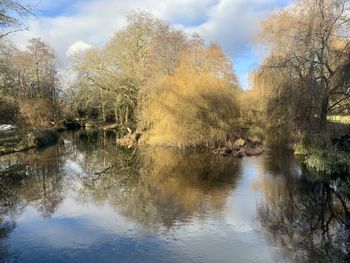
[[324, 111], [103, 107], [37, 74], [116, 114], [324, 90], [127, 115], [103, 113]]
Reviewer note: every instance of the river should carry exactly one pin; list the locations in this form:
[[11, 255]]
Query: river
[[86, 200]]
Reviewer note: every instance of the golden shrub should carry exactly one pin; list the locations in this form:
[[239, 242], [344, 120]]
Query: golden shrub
[[196, 105]]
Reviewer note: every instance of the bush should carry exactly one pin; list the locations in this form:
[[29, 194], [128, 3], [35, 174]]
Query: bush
[[325, 159], [38, 113], [303, 147], [199, 114], [256, 131], [8, 110], [193, 107]]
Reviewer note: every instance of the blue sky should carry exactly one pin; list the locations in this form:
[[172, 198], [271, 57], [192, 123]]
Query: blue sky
[[71, 25]]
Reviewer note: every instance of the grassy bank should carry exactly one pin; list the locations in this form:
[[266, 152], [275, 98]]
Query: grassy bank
[[324, 156], [17, 141], [344, 119]]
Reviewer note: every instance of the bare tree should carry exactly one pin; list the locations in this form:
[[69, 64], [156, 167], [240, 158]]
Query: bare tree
[[12, 13], [307, 62]]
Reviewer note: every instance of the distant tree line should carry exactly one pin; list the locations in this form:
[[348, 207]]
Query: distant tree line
[[28, 78], [28, 89], [176, 89]]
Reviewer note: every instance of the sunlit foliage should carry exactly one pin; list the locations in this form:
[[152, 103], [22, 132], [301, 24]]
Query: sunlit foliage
[[28, 81], [154, 78], [305, 66], [197, 104]]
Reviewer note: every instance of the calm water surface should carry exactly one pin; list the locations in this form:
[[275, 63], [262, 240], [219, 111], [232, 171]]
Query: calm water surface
[[85, 200]]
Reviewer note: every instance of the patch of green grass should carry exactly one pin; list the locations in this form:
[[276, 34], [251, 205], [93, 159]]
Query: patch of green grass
[[340, 119], [321, 156], [303, 147], [328, 162], [255, 131]]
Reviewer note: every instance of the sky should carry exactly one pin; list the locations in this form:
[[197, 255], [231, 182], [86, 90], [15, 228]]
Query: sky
[[74, 25]]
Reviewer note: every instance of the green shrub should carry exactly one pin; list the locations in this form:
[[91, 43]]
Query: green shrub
[[327, 162], [303, 147], [255, 131]]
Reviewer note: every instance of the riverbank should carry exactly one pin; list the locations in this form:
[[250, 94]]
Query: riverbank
[[247, 143], [17, 141], [327, 160], [239, 147], [327, 153]]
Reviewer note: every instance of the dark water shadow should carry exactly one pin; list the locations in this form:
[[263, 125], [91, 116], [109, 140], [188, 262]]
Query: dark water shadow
[[309, 220]]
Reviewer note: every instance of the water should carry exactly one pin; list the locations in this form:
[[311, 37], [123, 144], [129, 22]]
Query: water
[[85, 200]]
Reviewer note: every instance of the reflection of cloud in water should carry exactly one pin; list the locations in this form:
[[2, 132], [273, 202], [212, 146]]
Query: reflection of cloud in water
[[73, 225], [103, 216], [73, 168], [158, 204], [162, 185]]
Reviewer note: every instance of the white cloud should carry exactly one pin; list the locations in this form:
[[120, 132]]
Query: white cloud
[[77, 47], [231, 23]]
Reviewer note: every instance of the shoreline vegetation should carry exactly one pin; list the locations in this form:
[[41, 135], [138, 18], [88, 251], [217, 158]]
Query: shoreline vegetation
[[18, 141], [238, 147], [158, 85], [22, 140]]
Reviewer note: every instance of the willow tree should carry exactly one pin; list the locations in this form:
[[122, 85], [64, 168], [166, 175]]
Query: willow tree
[[306, 64], [93, 96], [143, 51], [126, 54], [196, 105]]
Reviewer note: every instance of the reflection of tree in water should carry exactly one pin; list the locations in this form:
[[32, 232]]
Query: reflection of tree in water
[[151, 186], [91, 150], [33, 179], [10, 206], [159, 186], [310, 221]]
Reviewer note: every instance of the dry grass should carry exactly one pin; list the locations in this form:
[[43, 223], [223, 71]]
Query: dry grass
[[340, 119]]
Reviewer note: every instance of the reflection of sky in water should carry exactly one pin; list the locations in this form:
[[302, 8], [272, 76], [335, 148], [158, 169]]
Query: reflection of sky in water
[[88, 232], [73, 168], [173, 213]]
